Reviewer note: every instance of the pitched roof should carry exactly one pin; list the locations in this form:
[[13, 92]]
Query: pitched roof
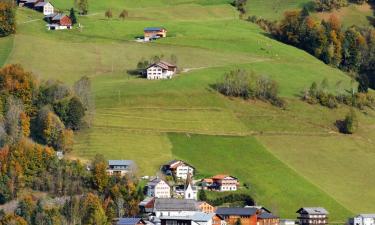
[[58, 16], [155, 182], [366, 215], [222, 176], [120, 162], [171, 204], [129, 221], [154, 29], [313, 210], [236, 211], [197, 217], [266, 215], [41, 4]]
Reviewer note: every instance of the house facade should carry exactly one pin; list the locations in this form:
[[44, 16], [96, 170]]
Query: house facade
[[160, 70], [363, 219], [247, 216], [154, 33], [45, 7], [312, 216], [58, 21], [174, 207], [221, 182], [179, 169], [205, 207], [158, 188], [120, 167]]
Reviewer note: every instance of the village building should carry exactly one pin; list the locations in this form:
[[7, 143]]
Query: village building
[[147, 205], [174, 207], [160, 70], [154, 33], [247, 216], [205, 207], [265, 217], [362, 219], [190, 191], [120, 167], [198, 218], [312, 216], [29, 3], [130, 221], [45, 7], [158, 188], [178, 168], [221, 182], [58, 21]]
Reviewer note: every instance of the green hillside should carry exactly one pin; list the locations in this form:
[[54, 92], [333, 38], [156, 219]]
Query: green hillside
[[292, 158], [360, 15]]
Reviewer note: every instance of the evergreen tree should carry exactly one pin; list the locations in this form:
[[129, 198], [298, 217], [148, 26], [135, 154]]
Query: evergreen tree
[[202, 195], [350, 122], [72, 16]]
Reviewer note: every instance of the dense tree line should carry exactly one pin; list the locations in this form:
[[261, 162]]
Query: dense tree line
[[328, 5], [7, 18], [240, 83], [351, 49], [36, 119]]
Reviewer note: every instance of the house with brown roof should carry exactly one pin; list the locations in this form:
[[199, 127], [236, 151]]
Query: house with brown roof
[[45, 7], [247, 216], [160, 70], [220, 182], [178, 168]]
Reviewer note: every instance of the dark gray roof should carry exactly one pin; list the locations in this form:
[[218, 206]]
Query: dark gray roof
[[171, 204], [313, 210], [41, 4], [129, 221], [120, 162], [236, 211], [267, 215]]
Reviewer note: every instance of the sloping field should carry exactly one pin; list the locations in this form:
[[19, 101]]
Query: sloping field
[[147, 121], [269, 178]]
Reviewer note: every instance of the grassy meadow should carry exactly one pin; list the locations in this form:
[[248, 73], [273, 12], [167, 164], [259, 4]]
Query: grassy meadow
[[291, 158]]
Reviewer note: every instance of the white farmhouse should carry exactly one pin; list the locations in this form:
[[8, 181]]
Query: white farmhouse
[[158, 188], [160, 70], [363, 219], [45, 7], [179, 169]]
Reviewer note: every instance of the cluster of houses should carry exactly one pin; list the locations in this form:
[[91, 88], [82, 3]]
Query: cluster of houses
[[175, 205], [55, 20]]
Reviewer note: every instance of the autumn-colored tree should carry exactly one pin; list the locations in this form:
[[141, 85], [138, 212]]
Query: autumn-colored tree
[[7, 18], [25, 124], [26, 208], [92, 212], [108, 13], [15, 81], [100, 177], [124, 14], [13, 220]]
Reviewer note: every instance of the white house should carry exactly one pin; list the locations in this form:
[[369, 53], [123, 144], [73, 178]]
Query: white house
[[120, 167], [45, 7], [363, 219], [160, 70], [158, 188], [178, 168]]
